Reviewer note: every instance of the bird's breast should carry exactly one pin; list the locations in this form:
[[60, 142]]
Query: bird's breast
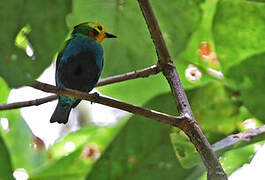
[[80, 65]]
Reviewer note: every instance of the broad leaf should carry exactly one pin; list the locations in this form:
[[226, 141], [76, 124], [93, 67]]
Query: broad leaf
[[238, 31], [46, 20], [142, 149], [18, 137], [134, 49], [73, 157], [5, 162], [248, 78]]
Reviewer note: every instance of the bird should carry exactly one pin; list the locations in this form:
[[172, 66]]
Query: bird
[[79, 65]]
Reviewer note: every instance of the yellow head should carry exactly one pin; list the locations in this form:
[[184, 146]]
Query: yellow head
[[93, 30]]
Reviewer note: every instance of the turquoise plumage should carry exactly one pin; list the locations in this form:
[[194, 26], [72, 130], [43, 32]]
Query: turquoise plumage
[[79, 65]]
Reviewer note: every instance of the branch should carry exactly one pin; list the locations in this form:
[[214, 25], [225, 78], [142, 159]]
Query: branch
[[189, 126], [35, 102], [238, 140], [161, 117], [143, 73]]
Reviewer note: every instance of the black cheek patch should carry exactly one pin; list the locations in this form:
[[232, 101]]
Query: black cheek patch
[[95, 32]]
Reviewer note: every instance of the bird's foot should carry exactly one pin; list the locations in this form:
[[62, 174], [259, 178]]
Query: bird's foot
[[60, 89], [95, 97]]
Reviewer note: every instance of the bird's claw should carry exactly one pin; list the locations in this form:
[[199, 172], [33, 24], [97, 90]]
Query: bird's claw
[[60, 89], [95, 97]]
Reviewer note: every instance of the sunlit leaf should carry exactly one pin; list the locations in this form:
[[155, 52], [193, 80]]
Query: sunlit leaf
[[134, 49], [46, 20], [74, 156], [238, 29]]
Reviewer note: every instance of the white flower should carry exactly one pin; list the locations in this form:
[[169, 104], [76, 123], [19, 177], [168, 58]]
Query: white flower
[[193, 74]]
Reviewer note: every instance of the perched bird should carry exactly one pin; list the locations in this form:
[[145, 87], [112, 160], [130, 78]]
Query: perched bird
[[79, 65]]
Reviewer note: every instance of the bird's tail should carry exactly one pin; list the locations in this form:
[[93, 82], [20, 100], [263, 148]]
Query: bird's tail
[[60, 114]]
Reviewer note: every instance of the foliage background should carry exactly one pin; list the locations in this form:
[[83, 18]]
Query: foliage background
[[137, 148]]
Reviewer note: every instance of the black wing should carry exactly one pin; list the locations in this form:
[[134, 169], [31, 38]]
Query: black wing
[[79, 72]]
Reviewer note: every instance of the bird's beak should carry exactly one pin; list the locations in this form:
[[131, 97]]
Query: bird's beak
[[108, 35]]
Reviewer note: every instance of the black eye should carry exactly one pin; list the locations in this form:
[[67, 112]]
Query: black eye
[[100, 28]]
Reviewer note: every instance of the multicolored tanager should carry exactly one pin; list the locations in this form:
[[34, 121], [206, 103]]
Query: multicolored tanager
[[79, 65]]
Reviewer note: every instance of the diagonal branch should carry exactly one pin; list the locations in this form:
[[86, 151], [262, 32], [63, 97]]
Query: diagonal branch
[[189, 126], [235, 141], [239, 140], [161, 117]]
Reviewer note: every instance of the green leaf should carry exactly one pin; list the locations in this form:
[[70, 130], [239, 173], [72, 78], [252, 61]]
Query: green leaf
[[19, 141], [248, 78], [46, 20], [257, 0], [238, 31], [178, 20], [202, 34], [129, 91], [185, 150], [18, 137], [214, 110], [134, 49], [233, 160], [200, 51], [4, 91], [217, 115], [5, 162], [73, 157], [142, 149]]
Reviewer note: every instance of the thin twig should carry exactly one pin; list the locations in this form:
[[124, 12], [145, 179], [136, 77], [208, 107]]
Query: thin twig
[[239, 140], [34, 102], [143, 73], [189, 126], [236, 141], [162, 117]]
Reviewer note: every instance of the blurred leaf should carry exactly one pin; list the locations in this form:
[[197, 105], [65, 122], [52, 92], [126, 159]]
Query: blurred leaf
[[182, 66], [18, 137], [129, 91], [5, 162], [216, 114], [200, 50], [185, 150], [214, 110], [232, 160], [126, 21], [249, 78], [133, 49], [178, 20], [238, 31], [48, 31], [73, 157], [4, 91], [19, 141], [202, 34], [142, 149], [257, 0]]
